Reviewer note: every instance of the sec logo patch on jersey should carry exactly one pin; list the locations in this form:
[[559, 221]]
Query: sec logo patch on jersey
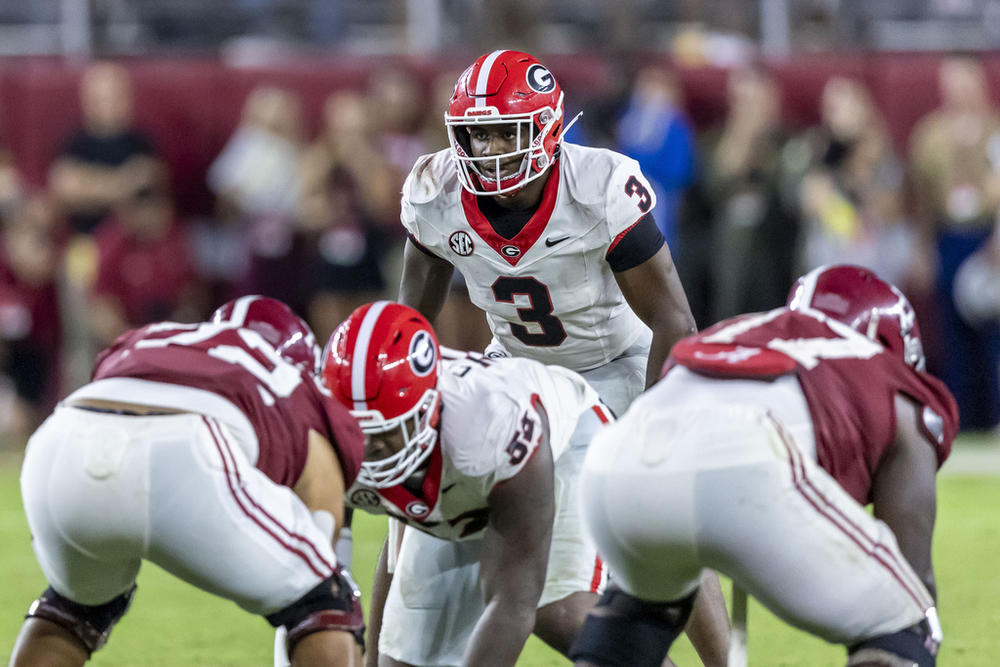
[[461, 244], [365, 498]]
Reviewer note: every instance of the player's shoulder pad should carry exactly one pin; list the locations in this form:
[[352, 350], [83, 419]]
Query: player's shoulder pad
[[587, 171], [490, 423], [428, 177]]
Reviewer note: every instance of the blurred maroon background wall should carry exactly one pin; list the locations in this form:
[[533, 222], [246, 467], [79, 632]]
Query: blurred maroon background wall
[[190, 107]]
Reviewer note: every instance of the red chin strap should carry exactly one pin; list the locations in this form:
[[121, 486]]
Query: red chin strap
[[435, 419]]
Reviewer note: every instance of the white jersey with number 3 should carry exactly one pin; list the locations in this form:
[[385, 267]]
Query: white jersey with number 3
[[549, 292]]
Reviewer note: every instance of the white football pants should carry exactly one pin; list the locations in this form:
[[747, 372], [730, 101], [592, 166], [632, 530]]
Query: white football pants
[[678, 484], [435, 601], [102, 492]]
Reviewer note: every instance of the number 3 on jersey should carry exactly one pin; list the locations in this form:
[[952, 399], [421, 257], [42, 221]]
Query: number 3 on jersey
[[634, 187], [552, 333]]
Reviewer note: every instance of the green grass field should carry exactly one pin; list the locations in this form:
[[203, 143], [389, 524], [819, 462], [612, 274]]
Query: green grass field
[[174, 624]]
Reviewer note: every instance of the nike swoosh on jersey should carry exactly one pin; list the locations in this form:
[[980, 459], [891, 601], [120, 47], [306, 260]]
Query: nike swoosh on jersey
[[551, 242]]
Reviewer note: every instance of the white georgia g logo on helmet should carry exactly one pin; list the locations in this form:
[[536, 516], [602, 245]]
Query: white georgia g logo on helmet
[[422, 353], [540, 79]]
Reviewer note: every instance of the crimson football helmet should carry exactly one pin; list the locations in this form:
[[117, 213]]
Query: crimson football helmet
[[277, 324], [505, 88], [858, 298], [382, 364]]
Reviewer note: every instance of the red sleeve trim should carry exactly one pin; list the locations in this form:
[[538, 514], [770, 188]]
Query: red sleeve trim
[[618, 239]]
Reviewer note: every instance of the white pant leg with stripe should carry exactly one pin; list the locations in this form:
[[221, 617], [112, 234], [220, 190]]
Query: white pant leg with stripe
[[102, 492], [672, 488]]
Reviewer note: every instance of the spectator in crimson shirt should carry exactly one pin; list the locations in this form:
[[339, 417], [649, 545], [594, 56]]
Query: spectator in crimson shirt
[[30, 325], [144, 268]]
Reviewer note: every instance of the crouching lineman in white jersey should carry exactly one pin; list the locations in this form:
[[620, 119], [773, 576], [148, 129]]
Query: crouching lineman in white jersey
[[481, 457], [556, 242], [755, 455], [212, 450]]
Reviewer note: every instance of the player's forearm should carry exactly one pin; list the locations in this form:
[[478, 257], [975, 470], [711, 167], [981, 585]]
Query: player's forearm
[[663, 341], [426, 303], [659, 350], [380, 590], [914, 533], [425, 282], [500, 634], [708, 627]]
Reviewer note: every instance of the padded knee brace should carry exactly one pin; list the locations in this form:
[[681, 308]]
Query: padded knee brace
[[916, 645], [624, 631], [335, 604], [91, 625]]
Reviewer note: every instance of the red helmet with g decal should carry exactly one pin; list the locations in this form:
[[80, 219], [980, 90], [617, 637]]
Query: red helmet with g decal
[[277, 324], [505, 88], [860, 299], [382, 364]]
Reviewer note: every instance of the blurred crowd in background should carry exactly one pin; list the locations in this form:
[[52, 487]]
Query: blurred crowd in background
[[309, 212]]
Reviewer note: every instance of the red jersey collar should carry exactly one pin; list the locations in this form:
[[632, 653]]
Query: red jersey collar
[[419, 507], [512, 250]]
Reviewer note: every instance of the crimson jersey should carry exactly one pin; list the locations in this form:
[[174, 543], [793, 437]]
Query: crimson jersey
[[280, 402], [849, 383]]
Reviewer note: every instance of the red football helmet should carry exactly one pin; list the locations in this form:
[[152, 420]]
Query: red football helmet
[[505, 88], [382, 363], [277, 324], [858, 298]]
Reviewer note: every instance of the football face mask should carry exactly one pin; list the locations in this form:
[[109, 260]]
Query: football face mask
[[513, 91]]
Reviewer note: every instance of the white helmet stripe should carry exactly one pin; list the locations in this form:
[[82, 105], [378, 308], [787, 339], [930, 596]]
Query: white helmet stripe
[[804, 297], [484, 76], [240, 309], [361, 352]]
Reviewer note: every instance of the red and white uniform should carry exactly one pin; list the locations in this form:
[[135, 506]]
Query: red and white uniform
[[754, 455], [204, 493], [549, 293], [489, 430]]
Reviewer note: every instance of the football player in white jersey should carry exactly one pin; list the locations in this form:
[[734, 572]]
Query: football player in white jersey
[[481, 456], [556, 242]]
